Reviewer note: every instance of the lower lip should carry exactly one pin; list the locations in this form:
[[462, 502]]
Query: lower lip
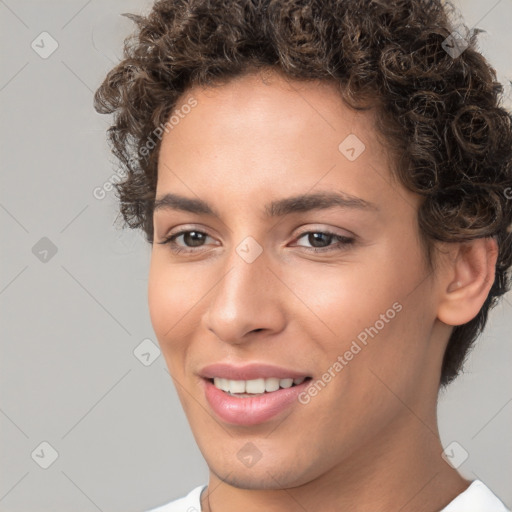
[[251, 410]]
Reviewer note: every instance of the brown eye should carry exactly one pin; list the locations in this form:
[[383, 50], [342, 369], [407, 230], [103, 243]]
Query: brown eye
[[194, 238], [319, 239], [190, 239]]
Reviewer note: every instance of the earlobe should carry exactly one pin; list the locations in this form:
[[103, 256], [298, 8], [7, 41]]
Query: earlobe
[[468, 280]]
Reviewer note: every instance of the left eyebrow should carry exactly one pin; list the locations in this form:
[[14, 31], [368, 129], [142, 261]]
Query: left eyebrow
[[278, 208], [317, 201]]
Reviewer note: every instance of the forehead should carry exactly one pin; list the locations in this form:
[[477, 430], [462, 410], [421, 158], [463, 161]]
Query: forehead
[[272, 103], [252, 136], [272, 116]]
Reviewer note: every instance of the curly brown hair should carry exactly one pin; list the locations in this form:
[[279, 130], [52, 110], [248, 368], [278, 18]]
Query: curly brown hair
[[440, 114]]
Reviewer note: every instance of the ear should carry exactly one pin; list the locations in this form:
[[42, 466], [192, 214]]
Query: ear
[[467, 280]]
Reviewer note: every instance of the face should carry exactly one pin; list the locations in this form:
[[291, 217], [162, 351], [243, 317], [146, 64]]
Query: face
[[332, 287]]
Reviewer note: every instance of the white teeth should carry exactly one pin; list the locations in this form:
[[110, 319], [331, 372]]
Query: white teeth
[[286, 383], [271, 384], [224, 384], [221, 383], [255, 386], [237, 386]]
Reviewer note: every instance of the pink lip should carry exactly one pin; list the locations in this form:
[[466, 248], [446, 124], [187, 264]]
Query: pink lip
[[251, 410], [248, 372]]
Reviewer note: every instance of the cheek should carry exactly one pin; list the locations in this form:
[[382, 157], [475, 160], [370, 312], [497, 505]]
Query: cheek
[[172, 295], [341, 301], [373, 308]]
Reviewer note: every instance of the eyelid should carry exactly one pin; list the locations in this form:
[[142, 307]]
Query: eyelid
[[342, 242], [177, 231], [327, 230], [187, 228], [184, 228]]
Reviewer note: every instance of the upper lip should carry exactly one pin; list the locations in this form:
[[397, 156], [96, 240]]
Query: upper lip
[[248, 372]]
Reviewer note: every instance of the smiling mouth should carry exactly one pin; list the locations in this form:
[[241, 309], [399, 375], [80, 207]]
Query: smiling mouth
[[254, 387]]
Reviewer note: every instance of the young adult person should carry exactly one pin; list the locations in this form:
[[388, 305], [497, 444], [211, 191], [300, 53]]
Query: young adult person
[[324, 185]]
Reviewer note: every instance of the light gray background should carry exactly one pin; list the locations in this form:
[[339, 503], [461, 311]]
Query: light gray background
[[70, 324]]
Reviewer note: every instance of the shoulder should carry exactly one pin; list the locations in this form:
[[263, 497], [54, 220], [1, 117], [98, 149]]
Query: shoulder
[[189, 503], [476, 498]]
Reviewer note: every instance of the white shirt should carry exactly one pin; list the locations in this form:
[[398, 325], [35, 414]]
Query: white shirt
[[476, 498]]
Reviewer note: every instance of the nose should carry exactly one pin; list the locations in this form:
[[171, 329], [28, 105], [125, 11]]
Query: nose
[[247, 299]]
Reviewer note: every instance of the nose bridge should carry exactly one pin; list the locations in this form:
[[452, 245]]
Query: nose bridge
[[245, 298]]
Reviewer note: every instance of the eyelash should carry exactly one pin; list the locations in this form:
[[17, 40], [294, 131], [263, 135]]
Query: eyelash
[[342, 241]]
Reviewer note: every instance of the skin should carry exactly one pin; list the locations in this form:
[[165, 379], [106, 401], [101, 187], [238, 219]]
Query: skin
[[369, 440]]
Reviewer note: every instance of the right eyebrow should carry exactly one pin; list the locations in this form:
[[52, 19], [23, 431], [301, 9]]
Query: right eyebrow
[[186, 204]]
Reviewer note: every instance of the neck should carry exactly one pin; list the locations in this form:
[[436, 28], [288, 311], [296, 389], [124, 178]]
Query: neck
[[402, 470]]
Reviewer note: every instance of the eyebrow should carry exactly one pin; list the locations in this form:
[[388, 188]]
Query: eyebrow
[[277, 208]]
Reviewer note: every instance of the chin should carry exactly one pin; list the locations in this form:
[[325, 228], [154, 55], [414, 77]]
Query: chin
[[270, 476], [256, 481]]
